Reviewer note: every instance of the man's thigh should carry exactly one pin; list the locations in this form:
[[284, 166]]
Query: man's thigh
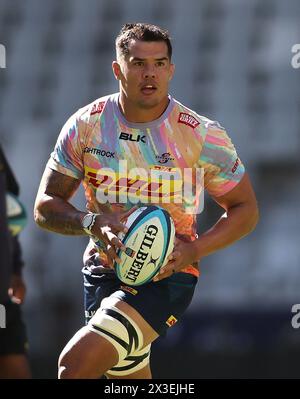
[[90, 354], [131, 318], [86, 355]]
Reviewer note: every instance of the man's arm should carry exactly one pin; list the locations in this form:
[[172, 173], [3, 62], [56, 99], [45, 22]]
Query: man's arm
[[240, 219], [52, 211]]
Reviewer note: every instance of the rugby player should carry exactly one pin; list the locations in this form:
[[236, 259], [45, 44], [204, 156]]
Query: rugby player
[[145, 126]]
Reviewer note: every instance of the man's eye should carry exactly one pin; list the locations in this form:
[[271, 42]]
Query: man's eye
[[138, 63], [160, 63]]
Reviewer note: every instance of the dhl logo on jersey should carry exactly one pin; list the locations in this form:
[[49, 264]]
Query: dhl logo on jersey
[[135, 186], [156, 185]]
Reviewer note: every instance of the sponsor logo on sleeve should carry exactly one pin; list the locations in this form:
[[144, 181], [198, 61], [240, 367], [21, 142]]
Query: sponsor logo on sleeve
[[97, 108], [171, 321], [188, 120], [237, 161]]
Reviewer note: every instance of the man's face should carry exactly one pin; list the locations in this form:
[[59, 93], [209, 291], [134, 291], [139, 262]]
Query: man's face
[[144, 73]]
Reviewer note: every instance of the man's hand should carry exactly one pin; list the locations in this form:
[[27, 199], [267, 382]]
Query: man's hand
[[108, 224], [106, 228], [183, 255], [17, 290]]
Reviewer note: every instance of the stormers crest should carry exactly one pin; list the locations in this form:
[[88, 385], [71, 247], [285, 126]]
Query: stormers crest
[[149, 241]]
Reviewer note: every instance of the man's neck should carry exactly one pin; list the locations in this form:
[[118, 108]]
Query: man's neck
[[136, 114]]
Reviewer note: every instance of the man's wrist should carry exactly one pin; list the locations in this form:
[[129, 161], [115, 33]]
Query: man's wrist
[[198, 249]]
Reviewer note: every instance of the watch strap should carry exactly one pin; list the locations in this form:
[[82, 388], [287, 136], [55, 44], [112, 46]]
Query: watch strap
[[88, 228]]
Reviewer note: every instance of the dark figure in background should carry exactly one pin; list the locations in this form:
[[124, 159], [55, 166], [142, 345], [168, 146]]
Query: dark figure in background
[[13, 339]]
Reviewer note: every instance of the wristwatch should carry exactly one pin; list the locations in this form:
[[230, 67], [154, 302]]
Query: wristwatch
[[88, 222]]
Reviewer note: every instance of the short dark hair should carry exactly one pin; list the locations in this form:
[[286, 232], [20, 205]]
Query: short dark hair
[[144, 32]]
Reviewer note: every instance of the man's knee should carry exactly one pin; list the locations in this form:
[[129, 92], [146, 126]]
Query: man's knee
[[86, 356], [66, 372]]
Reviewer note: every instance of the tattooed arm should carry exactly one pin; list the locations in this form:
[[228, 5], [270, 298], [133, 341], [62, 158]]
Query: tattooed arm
[[52, 211]]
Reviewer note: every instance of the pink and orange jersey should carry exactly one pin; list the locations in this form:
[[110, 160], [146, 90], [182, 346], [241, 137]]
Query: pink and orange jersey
[[167, 162]]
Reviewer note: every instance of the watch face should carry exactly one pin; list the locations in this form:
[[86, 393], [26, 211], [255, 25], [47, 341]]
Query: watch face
[[87, 220]]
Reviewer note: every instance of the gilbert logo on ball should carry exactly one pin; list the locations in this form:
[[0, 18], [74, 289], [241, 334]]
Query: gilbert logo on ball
[[149, 241]]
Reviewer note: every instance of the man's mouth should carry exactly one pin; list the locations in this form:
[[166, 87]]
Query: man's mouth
[[148, 89]]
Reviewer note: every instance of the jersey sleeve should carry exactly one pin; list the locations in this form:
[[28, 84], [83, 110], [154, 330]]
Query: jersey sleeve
[[223, 169], [67, 157]]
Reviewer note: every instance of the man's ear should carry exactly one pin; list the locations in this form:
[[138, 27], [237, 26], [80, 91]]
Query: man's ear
[[116, 70]]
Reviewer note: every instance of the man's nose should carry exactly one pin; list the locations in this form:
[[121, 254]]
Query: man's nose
[[149, 72]]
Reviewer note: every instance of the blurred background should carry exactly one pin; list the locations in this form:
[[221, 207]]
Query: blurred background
[[233, 64]]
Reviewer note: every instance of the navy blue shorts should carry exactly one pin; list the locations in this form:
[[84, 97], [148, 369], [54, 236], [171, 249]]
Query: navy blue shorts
[[13, 338], [161, 304]]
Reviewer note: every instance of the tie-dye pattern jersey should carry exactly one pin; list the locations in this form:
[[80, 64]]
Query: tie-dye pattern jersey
[[167, 161]]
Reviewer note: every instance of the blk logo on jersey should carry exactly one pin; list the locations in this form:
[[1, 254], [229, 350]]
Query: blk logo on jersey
[[98, 151], [130, 137]]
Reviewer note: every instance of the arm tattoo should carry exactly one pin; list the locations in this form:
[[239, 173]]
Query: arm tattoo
[[52, 208]]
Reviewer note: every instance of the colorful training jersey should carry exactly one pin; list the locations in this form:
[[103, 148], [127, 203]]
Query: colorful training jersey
[[168, 162]]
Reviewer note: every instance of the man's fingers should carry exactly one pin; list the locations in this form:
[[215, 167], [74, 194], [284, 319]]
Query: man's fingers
[[161, 276], [174, 255], [126, 214], [119, 227], [177, 241], [170, 268], [117, 243], [112, 254], [167, 271], [109, 261]]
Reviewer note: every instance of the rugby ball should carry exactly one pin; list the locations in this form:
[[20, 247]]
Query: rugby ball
[[149, 241], [16, 214]]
